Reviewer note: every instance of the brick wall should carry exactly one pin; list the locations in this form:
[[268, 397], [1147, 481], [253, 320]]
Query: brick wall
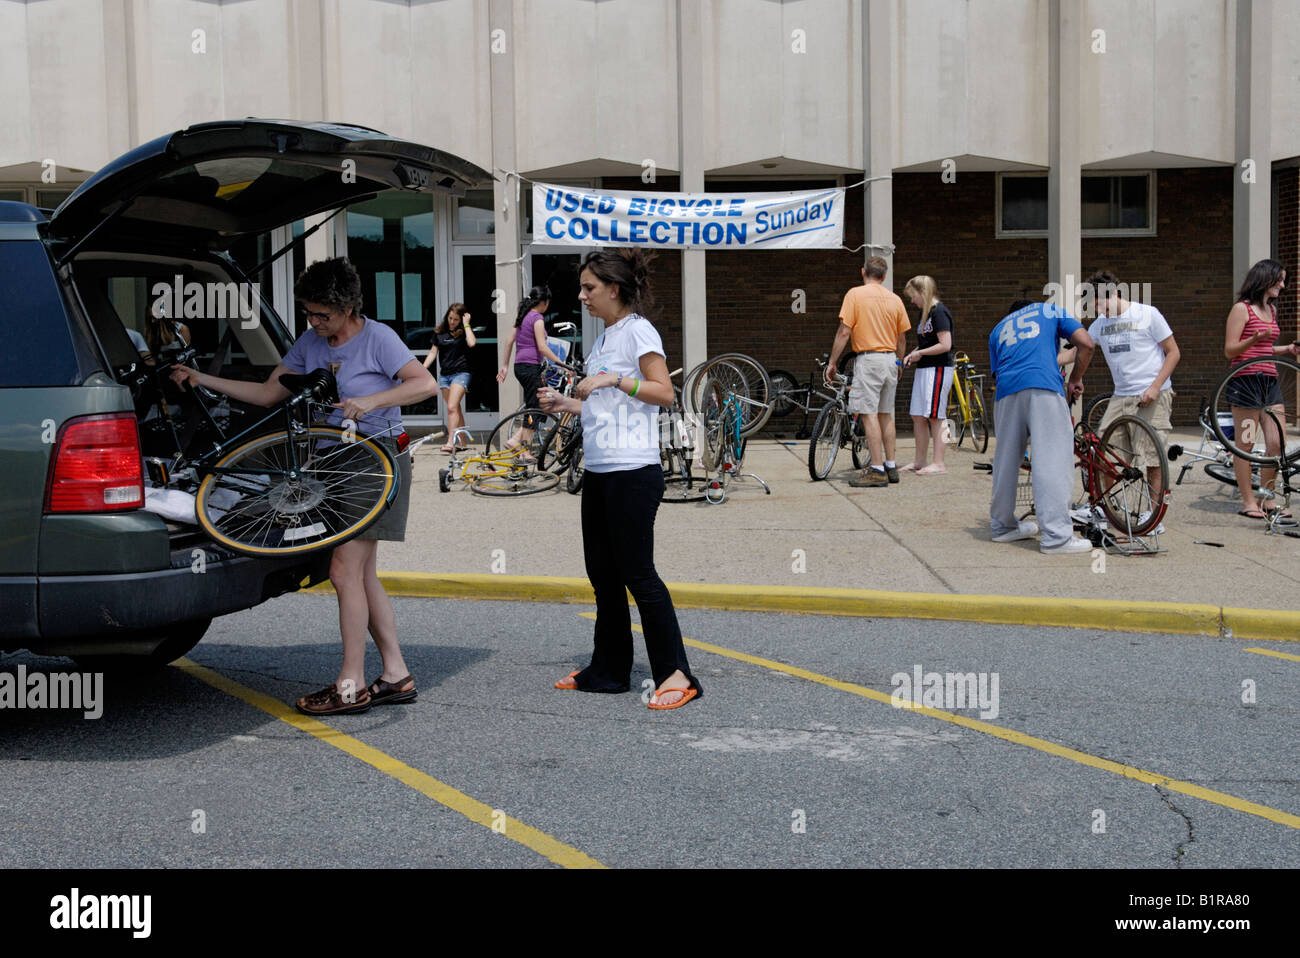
[[947, 231]]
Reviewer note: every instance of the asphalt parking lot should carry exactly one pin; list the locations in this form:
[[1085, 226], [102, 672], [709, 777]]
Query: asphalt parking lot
[[1090, 749]]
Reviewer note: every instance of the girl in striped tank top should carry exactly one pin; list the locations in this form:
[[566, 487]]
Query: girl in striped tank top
[[1252, 334]]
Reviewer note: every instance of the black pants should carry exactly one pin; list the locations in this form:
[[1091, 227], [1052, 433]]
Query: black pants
[[618, 525], [530, 377]]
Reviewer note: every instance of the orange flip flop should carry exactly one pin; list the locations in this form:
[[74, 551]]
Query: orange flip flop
[[687, 695], [567, 684]]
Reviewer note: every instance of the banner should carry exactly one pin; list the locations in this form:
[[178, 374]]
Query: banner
[[573, 216]]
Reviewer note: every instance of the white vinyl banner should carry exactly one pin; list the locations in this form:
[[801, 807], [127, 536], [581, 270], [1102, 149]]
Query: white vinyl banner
[[572, 216]]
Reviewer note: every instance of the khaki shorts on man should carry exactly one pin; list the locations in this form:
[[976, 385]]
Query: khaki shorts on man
[[1156, 414], [875, 381]]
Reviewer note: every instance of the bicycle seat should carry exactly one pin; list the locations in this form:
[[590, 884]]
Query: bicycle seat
[[321, 383]]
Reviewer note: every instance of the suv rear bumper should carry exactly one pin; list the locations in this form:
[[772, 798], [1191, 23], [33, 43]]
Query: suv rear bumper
[[76, 612]]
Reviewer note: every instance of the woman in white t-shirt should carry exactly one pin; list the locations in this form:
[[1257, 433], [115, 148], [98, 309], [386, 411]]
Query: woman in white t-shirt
[[627, 381]]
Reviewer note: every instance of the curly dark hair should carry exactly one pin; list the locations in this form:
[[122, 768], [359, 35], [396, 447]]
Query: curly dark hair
[[330, 282]]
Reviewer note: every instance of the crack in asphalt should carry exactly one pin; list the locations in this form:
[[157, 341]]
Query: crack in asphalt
[[1181, 849]]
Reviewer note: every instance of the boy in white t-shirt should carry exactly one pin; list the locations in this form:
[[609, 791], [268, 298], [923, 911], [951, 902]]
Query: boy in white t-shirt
[[1141, 353]]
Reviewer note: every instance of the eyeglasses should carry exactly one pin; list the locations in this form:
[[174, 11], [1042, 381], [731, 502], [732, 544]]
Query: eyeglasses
[[309, 315]]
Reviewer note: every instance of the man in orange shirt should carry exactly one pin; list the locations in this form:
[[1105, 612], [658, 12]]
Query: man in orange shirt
[[874, 320]]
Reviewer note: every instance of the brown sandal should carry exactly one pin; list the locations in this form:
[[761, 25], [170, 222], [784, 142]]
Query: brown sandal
[[391, 693], [329, 701]]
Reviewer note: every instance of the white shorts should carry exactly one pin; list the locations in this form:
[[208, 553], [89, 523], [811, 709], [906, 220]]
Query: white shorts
[[930, 392]]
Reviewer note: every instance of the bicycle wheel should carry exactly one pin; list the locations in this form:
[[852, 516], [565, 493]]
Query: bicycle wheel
[[573, 481], [555, 453], [979, 430], [257, 506], [1225, 474], [1096, 412], [785, 389], [748, 380], [1123, 492], [685, 488], [713, 405], [858, 443], [525, 430], [825, 442], [1242, 441], [521, 481]]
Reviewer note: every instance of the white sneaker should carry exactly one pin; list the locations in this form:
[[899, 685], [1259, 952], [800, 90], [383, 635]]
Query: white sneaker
[[1158, 530], [1074, 547], [1027, 529]]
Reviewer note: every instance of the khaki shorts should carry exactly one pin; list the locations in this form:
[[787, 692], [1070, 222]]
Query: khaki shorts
[[391, 526], [1156, 413], [875, 379]]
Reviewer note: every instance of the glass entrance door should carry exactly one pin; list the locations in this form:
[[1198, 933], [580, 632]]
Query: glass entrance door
[[559, 272], [474, 279]]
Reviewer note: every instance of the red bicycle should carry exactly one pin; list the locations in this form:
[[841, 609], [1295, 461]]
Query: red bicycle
[[1109, 485]]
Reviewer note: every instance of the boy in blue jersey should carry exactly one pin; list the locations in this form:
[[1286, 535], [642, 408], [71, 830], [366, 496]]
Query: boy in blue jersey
[[1031, 402]]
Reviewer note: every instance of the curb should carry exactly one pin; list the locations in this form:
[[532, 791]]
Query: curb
[[1103, 614]]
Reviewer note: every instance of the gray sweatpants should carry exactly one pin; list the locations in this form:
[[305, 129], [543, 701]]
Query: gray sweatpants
[[1043, 415]]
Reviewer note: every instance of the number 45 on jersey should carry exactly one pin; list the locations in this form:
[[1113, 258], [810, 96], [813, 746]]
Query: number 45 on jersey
[[1023, 328]]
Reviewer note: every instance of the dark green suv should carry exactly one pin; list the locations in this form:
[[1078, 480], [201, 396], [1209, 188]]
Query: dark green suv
[[85, 569]]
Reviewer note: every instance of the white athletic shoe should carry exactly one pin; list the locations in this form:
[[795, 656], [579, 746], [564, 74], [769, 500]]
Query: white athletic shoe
[[1158, 530], [1074, 547], [1027, 529]]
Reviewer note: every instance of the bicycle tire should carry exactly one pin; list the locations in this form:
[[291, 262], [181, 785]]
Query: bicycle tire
[[784, 388], [1219, 404], [540, 424], [1127, 496], [746, 377], [555, 452], [346, 484], [711, 420], [577, 472], [1225, 474], [1096, 412], [521, 482], [858, 444], [683, 489], [979, 430], [825, 442]]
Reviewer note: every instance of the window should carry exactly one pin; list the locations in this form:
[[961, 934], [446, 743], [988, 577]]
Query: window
[[1111, 204], [475, 215], [43, 197]]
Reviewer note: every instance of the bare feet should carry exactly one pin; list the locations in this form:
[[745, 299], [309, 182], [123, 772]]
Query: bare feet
[[912, 467], [673, 691], [934, 469]]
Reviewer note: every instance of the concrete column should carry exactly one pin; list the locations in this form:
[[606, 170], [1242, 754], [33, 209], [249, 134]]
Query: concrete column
[[1063, 191], [1252, 205], [878, 130], [505, 190], [690, 152]]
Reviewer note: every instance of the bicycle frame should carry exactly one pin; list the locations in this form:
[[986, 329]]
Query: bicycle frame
[[1102, 472]]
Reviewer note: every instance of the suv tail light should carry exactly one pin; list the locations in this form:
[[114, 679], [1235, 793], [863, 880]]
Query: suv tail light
[[96, 466]]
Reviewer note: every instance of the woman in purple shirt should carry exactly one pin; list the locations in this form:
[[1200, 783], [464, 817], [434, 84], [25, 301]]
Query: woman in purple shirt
[[528, 340]]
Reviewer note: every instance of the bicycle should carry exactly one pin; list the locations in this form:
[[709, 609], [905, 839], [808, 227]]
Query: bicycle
[[305, 486], [1112, 487], [677, 452], [966, 403], [725, 444], [835, 428], [496, 472], [788, 395], [1240, 440], [561, 449]]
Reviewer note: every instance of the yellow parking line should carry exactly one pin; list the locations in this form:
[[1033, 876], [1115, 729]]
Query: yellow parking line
[[457, 801], [1009, 735], [1276, 655]]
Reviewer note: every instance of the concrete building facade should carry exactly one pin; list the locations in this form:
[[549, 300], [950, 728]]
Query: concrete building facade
[[1006, 144]]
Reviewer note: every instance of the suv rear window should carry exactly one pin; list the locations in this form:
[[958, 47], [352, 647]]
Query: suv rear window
[[38, 348]]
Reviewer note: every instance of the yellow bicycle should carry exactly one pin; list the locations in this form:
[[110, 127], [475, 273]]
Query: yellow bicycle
[[966, 403], [504, 471]]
